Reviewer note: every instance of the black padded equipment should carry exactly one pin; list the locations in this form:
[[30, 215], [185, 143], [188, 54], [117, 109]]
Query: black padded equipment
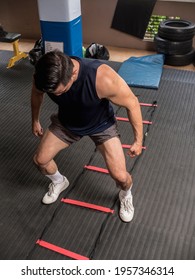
[[10, 37]]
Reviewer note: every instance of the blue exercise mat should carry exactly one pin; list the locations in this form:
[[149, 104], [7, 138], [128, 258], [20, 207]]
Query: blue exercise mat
[[143, 71]]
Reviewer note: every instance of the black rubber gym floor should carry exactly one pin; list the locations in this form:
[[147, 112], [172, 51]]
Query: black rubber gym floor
[[164, 183]]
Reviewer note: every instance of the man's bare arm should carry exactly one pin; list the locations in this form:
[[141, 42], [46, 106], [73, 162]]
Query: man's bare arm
[[36, 102], [111, 86]]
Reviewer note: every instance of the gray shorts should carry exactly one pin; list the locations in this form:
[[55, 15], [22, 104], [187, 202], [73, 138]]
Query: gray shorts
[[68, 137]]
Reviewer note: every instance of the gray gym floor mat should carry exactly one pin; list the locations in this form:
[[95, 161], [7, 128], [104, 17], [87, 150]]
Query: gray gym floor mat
[[164, 194]]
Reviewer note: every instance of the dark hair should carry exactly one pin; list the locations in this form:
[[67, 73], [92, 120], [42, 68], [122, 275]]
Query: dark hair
[[52, 69]]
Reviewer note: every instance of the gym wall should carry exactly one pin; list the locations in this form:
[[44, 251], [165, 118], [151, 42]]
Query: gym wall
[[21, 16]]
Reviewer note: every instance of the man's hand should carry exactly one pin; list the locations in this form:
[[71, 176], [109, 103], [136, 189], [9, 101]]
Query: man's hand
[[37, 129], [135, 150]]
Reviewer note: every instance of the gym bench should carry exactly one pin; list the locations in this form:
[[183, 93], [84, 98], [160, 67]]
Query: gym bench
[[14, 39]]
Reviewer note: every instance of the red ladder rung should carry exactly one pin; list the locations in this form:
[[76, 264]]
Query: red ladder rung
[[148, 105], [87, 205], [126, 146], [127, 120], [95, 168], [60, 250]]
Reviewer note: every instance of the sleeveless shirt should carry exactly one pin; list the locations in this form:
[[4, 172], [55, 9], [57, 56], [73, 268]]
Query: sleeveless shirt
[[80, 109]]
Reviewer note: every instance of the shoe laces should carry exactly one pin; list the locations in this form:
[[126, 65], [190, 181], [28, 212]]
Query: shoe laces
[[51, 189], [127, 204]]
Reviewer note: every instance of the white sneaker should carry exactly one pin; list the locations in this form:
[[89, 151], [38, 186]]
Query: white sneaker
[[126, 212], [54, 191]]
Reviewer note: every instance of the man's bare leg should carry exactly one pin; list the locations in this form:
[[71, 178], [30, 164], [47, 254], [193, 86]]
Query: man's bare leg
[[49, 146], [113, 154]]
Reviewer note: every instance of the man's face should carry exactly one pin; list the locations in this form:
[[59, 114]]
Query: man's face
[[62, 88]]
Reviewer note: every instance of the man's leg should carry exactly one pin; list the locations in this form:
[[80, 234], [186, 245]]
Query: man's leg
[[113, 154], [49, 146]]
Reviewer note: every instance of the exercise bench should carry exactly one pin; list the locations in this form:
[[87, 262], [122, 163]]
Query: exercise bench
[[14, 39]]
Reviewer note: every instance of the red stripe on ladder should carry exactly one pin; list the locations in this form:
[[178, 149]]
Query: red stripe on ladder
[[60, 250], [148, 105], [95, 168], [127, 120], [87, 205], [125, 146]]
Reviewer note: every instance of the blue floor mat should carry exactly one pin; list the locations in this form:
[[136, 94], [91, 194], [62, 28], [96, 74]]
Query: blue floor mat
[[143, 71]]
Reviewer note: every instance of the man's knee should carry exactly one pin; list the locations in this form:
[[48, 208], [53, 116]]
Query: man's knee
[[38, 161], [122, 178]]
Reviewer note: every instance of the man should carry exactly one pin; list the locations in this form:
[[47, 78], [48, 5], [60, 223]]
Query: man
[[83, 90]]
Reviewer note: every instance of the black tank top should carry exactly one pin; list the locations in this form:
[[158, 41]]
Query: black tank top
[[80, 109]]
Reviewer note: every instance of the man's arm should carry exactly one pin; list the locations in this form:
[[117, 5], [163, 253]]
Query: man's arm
[[110, 85], [36, 102]]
